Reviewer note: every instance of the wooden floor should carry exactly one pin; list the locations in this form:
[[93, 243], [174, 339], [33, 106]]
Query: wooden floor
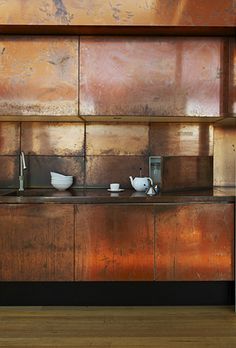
[[178, 327]]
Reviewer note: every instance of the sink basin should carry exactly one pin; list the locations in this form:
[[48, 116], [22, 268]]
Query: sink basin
[[13, 193], [29, 193], [38, 193]]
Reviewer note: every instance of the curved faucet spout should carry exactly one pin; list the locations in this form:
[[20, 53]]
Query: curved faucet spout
[[22, 167], [22, 162]]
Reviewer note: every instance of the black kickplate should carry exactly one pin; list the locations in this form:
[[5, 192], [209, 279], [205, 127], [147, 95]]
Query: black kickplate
[[116, 293]]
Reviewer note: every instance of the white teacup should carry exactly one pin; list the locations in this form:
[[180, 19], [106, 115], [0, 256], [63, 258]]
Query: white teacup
[[114, 187]]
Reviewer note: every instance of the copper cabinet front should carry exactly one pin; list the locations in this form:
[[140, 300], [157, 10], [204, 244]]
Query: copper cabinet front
[[151, 76], [39, 76], [114, 242], [36, 242], [194, 242]]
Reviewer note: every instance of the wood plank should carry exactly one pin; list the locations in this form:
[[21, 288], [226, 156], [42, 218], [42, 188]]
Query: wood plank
[[114, 242], [164, 327]]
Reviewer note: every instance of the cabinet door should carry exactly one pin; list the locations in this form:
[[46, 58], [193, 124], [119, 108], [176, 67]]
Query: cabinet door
[[194, 242], [162, 82], [36, 242], [39, 75], [114, 242]]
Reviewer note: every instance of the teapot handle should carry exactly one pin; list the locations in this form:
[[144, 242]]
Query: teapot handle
[[150, 179]]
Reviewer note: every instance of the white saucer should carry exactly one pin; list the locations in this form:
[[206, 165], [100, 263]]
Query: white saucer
[[120, 190]]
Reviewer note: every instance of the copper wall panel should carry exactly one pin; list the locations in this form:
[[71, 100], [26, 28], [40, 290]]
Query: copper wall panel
[[9, 138], [103, 170], [225, 156], [9, 171], [39, 76], [178, 77], [232, 78], [109, 139], [195, 242], [39, 167], [181, 139], [187, 172], [36, 242], [45, 138], [119, 246], [124, 12], [60, 147]]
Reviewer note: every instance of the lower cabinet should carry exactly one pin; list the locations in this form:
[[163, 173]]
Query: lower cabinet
[[114, 242], [36, 242], [194, 242]]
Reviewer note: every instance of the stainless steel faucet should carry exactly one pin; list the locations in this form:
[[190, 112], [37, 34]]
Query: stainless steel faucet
[[22, 168]]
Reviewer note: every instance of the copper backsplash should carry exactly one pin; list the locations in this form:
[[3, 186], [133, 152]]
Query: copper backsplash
[[97, 154], [225, 156]]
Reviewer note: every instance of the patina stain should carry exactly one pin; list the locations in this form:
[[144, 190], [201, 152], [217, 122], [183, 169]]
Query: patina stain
[[62, 12]]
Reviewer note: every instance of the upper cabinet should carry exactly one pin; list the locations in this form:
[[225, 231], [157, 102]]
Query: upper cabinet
[[140, 78], [39, 76], [151, 76]]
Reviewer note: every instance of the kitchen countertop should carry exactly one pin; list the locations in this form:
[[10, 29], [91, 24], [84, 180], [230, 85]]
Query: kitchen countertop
[[90, 196]]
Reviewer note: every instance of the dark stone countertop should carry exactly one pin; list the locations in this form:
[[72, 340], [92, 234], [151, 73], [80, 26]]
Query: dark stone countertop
[[99, 196]]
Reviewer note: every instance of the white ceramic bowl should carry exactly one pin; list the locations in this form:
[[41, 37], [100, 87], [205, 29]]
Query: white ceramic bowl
[[59, 176], [62, 180], [67, 183], [61, 186]]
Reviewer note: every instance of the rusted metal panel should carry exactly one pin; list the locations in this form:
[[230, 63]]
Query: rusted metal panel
[[178, 76], [45, 138], [224, 156], [232, 78], [187, 172], [124, 12], [117, 139], [103, 170], [39, 76], [9, 138], [181, 139], [39, 167], [114, 242], [195, 242], [9, 171], [37, 242]]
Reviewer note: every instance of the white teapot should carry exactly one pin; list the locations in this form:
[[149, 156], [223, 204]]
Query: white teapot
[[140, 184]]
